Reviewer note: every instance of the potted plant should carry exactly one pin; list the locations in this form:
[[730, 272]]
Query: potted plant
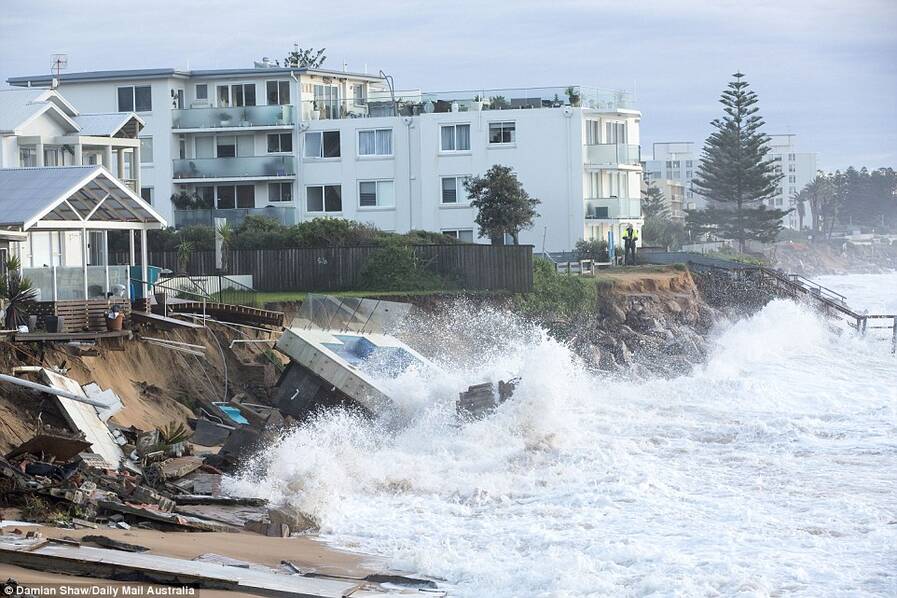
[[556, 103], [573, 96], [498, 103], [16, 292], [315, 110], [115, 320]]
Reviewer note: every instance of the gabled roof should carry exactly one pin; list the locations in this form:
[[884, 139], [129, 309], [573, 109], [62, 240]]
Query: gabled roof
[[70, 197], [21, 105], [108, 124]]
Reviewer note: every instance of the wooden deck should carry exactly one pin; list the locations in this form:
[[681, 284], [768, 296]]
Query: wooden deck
[[239, 314], [22, 337]]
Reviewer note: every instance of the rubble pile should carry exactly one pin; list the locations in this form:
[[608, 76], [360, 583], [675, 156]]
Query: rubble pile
[[90, 472]]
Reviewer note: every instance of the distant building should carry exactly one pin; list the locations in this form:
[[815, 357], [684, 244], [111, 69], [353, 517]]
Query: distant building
[[678, 161], [673, 197], [297, 143]]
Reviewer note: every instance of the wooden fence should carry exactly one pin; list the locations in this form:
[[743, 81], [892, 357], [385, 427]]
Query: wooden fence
[[474, 267]]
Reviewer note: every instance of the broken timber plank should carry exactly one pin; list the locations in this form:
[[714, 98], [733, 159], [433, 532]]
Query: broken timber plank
[[113, 564]]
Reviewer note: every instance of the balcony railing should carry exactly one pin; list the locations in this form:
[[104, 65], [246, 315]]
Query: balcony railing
[[235, 168], [380, 103], [234, 217], [613, 154], [64, 283], [244, 116], [599, 208]]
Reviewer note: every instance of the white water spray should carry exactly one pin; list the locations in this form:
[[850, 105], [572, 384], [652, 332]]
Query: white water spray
[[770, 470]]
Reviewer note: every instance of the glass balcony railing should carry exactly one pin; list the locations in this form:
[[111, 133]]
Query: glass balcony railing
[[244, 116], [234, 217], [598, 208], [234, 168], [380, 103], [66, 283], [612, 154]]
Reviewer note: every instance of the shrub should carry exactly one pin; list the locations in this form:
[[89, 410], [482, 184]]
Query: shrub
[[395, 267], [554, 294], [592, 250]]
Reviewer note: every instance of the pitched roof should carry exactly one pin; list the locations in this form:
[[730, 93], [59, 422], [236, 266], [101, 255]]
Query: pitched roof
[[69, 194], [106, 125], [19, 105]]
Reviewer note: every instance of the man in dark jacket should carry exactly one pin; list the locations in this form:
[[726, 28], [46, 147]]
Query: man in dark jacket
[[629, 239]]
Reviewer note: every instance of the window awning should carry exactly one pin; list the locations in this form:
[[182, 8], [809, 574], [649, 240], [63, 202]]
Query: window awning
[[71, 197]]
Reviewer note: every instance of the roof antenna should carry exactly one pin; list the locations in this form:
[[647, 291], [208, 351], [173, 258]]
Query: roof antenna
[[58, 63]]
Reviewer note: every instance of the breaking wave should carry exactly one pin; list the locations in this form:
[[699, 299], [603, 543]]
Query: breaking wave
[[772, 469]]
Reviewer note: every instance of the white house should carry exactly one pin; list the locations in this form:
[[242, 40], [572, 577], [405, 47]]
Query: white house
[[301, 143]]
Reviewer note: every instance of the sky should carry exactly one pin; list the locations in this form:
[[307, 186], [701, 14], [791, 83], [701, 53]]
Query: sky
[[824, 70]]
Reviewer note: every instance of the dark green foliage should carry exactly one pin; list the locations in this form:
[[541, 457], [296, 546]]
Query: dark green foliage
[[168, 239], [592, 250], [555, 295], [395, 267], [853, 197], [735, 173], [662, 232], [503, 205], [16, 291], [305, 57], [653, 201]]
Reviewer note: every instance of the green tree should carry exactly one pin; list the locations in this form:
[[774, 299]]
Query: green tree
[[735, 173], [305, 57], [16, 291], [653, 201], [503, 205]]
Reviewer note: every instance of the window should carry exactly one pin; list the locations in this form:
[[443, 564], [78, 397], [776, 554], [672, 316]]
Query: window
[[453, 190], [202, 91], [324, 198], [792, 157], [376, 142], [146, 150], [792, 168], [322, 144], [358, 94], [278, 92], [205, 147], [326, 101], [146, 194], [280, 192], [280, 142], [240, 94], [689, 163], [792, 178], [226, 146], [462, 234], [27, 157], [615, 132], [135, 99], [379, 194], [240, 196], [206, 194], [455, 138], [51, 157], [503, 132]]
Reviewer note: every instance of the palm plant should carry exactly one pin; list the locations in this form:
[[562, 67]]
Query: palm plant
[[16, 291], [226, 233], [185, 249]]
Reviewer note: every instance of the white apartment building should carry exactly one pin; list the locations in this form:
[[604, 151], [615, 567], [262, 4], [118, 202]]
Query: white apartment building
[[673, 196], [296, 144], [678, 161]]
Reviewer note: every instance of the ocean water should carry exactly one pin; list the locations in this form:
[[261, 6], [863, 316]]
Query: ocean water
[[769, 471]]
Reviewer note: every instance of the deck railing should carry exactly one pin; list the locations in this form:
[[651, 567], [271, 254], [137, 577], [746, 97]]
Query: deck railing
[[65, 283]]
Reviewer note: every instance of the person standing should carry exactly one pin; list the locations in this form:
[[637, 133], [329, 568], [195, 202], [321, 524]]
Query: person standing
[[629, 239]]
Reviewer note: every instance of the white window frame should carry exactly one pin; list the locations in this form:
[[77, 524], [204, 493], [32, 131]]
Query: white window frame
[[455, 149], [455, 233], [204, 86], [279, 136], [146, 150], [323, 188], [378, 205], [321, 155], [375, 154], [503, 124], [280, 186], [461, 199]]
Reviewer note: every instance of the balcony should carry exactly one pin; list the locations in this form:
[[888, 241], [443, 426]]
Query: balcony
[[604, 208], [234, 217], [245, 168], [380, 103], [612, 155], [244, 117]]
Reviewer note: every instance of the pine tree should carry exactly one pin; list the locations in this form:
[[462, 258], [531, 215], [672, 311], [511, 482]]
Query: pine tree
[[735, 174], [653, 201], [305, 57]]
